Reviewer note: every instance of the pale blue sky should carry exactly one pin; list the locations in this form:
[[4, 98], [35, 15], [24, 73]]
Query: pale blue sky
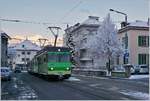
[[52, 11]]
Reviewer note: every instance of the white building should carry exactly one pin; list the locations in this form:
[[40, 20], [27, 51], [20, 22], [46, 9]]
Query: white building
[[24, 52], [80, 33]]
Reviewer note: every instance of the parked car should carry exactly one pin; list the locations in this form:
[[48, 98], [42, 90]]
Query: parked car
[[144, 68], [17, 70], [119, 68], [6, 73], [135, 69]]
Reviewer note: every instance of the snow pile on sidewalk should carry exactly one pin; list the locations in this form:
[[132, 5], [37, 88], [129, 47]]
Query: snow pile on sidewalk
[[139, 76], [135, 94], [73, 79]]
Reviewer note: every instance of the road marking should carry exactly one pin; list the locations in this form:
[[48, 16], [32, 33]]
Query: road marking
[[27, 93], [114, 88], [94, 85]]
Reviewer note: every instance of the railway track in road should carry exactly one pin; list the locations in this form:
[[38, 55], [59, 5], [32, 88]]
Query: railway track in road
[[65, 89], [98, 93]]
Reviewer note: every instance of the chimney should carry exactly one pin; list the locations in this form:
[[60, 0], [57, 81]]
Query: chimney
[[148, 22], [123, 24], [67, 26]]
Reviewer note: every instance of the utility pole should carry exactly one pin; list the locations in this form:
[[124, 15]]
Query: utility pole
[[126, 36], [0, 26], [0, 48], [55, 34]]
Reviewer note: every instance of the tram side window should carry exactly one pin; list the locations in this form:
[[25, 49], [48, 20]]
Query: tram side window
[[46, 57], [39, 60], [36, 61], [42, 59]]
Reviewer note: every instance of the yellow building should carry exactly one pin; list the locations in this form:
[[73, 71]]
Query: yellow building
[[135, 41]]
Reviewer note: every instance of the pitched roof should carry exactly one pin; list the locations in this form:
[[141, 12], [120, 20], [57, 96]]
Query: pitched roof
[[136, 25], [3, 34], [139, 23], [92, 20], [28, 45]]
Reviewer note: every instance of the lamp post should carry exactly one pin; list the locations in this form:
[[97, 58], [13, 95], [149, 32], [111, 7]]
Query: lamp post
[[126, 36], [0, 47], [120, 13]]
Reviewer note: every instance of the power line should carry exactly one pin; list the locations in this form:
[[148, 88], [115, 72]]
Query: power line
[[30, 22], [67, 14]]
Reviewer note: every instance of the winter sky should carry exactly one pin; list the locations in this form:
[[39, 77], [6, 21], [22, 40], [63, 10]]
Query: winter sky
[[60, 12]]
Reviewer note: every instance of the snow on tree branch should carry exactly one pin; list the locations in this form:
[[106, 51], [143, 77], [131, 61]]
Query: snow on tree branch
[[105, 43]]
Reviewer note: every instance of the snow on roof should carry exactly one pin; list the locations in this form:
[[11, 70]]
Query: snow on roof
[[85, 59], [12, 44], [28, 45], [139, 23], [92, 20], [2, 33]]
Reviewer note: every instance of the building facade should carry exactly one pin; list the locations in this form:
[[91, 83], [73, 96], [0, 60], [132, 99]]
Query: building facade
[[24, 52], [80, 32], [135, 40], [3, 49]]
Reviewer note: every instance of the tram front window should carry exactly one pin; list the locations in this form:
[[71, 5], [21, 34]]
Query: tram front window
[[64, 57], [59, 57]]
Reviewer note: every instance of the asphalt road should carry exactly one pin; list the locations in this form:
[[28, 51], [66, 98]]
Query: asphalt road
[[25, 86]]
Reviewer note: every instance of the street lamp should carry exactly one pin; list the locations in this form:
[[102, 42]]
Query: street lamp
[[126, 36], [120, 13]]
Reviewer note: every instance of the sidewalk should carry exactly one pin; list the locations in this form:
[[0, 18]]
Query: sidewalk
[[139, 76], [107, 77]]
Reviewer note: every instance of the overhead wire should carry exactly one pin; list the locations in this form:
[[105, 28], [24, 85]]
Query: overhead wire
[[70, 11]]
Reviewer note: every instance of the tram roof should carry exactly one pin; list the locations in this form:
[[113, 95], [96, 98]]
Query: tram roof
[[53, 49]]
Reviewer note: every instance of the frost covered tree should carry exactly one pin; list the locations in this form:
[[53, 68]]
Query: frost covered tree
[[71, 44], [105, 43]]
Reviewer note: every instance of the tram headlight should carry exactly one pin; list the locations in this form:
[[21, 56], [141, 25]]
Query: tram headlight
[[67, 68], [51, 68]]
